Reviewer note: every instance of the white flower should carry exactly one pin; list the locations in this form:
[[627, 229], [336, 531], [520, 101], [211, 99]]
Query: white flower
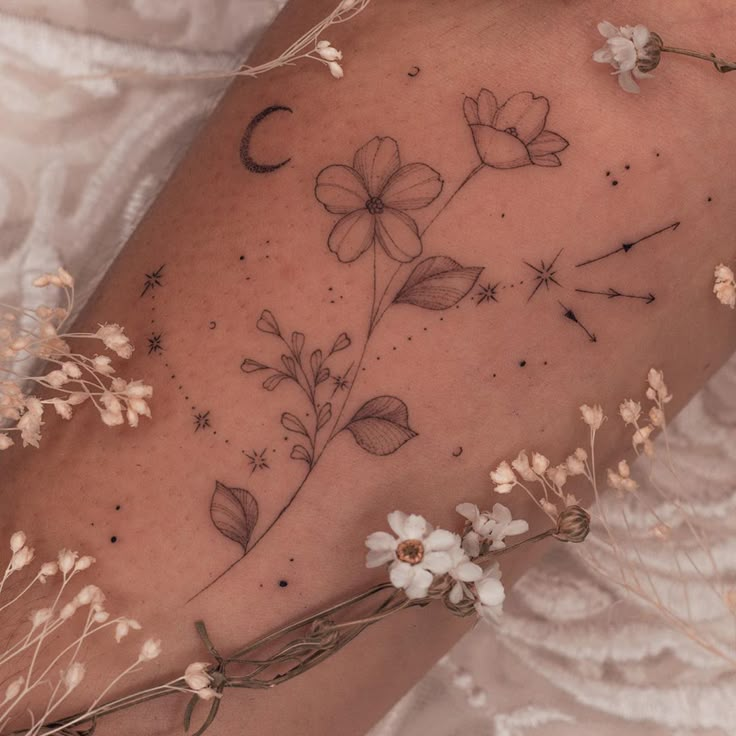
[[30, 423], [328, 52], [417, 553], [656, 416], [150, 650], [462, 571], [504, 478], [481, 525], [74, 675], [592, 416], [539, 463], [505, 526], [575, 463], [40, 617], [114, 339], [657, 385], [84, 562], [335, 69], [622, 481], [725, 286], [490, 594], [558, 475], [102, 364], [56, 378], [62, 407], [5, 441], [124, 626], [17, 541], [47, 570], [21, 558], [630, 411], [523, 468], [66, 560], [629, 51], [89, 595], [196, 675], [207, 693], [68, 610]]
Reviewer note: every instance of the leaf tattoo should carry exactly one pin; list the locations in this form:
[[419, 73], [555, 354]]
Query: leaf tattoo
[[234, 513], [381, 425]]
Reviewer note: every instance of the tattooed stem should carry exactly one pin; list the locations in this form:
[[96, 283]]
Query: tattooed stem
[[224, 572], [452, 196]]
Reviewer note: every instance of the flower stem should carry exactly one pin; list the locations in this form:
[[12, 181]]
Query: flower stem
[[721, 65], [452, 196]]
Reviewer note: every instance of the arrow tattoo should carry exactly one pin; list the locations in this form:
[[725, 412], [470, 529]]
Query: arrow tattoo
[[613, 293], [569, 314], [626, 247]]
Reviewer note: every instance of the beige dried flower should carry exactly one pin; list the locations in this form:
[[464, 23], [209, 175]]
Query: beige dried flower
[[725, 286]]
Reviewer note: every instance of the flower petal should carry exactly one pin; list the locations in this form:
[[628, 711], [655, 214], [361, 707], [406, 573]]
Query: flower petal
[[380, 541], [401, 574], [376, 558], [468, 572], [490, 591], [468, 510], [603, 55], [415, 527], [396, 520], [498, 149], [524, 112], [501, 513], [471, 544], [470, 109], [547, 142], [437, 562], [441, 540], [487, 107], [398, 235], [518, 526], [456, 593], [640, 36], [340, 189], [419, 586], [376, 162], [549, 159], [411, 187], [607, 29], [627, 82], [352, 235]]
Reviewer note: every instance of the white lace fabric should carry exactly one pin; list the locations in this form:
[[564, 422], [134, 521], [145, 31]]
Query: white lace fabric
[[79, 164]]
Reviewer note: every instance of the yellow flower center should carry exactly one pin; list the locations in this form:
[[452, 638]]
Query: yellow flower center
[[411, 551]]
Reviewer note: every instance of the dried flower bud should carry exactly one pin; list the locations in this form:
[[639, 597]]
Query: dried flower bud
[[207, 693], [17, 541], [630, 411], [90, 594], [47, 570], [40, 617], [504, 478], [13, 690], [539, 463], [66, 560], [68, 610], [84, 562], [21, 558], [335, 69], [592, 416], [573, 524], [650, 55], [523, 468], [74, 675], [124, 626], [196, 675], [150, 650]]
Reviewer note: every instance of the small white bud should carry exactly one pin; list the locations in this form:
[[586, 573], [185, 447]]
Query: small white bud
[[150, 650], [40, 617], [17, 541], [21, 558], [74, 675], [196, 675], [84, 562], [335, 69], [66, 560], [13, 690]]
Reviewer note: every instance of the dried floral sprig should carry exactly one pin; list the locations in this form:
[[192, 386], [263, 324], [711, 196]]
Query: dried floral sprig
[[312, 45], [619, 557], [635, 51], [725, 286], [33, 338], [425, 564], [33, 659]]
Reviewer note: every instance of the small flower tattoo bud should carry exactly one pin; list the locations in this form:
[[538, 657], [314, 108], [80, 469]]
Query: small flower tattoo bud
[[573, 525]]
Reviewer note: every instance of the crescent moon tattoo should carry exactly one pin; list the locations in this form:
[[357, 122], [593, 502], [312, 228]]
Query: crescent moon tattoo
[[247, 160]]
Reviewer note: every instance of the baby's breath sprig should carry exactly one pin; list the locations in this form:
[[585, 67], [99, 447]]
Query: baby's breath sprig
[[35, 338], [635, 51], [34, 659]]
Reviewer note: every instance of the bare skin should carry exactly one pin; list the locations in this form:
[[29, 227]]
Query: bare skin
[[490, 376]]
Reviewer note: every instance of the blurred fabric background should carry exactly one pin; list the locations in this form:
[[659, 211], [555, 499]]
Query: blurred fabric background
[[80, 161]]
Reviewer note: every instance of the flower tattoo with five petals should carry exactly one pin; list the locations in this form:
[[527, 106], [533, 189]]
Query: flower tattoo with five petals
[[513, 134], [373, 196]]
